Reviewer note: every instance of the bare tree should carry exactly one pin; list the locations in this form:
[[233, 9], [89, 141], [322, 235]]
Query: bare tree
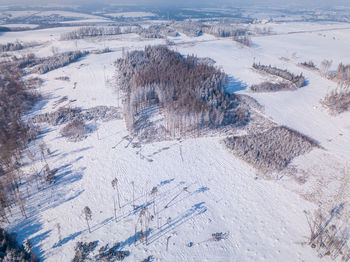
[[325, 66], [88, 216], [58, 226], [115, 186]]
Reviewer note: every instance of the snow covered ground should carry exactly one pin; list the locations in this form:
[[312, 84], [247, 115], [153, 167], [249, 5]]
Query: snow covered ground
[[131, 14], [264, 219]]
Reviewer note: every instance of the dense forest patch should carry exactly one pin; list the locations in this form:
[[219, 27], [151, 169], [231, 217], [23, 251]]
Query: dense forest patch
[[167, 95]]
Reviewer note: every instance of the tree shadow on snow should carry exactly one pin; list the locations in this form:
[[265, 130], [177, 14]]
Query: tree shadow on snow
[[234, 85]]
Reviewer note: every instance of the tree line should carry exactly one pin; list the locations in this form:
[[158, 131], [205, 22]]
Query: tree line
[[297, 80], [17, 96], [91, 31]]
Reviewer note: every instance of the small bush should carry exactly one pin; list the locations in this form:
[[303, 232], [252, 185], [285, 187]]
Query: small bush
[[75, 130], [309, 64], [63, 78]]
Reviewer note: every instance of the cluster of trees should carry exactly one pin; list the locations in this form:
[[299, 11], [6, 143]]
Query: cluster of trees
[[11, 251], [343, 72], [189, 28], [75, 130], [84, 250], [16, 46], [157, 31], [271, 150], [189, 94], [68, 114], [338, 100], [226, 30], [44, 65], [297, 80], [37, 65], [91, 31], [309, 64], [271, 87], [244, 40]]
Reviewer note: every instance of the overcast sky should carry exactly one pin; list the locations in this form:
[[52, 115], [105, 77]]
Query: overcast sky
[[186, 3]]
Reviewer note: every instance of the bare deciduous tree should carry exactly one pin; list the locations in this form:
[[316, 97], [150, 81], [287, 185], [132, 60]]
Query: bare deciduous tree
[[88, 216]]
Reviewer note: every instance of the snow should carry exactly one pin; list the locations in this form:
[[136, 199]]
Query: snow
[[32, 26], [67, 14], [131, 14], [264, 218], [87, 21]]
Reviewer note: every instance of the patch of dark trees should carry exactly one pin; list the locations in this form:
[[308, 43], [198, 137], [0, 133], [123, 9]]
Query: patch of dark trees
[[293, 81], [16, 46], [188, 94], [44, 65], [338, 100], [10, 250], [157, 31], [32, 64], [309, 64], [271, 150], [4, 29], [91, 31], [83, 252]]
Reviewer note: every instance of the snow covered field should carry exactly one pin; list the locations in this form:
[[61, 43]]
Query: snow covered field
[[202, 187]]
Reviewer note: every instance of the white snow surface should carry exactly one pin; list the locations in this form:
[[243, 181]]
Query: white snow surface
[[131, 14], [264, 219]]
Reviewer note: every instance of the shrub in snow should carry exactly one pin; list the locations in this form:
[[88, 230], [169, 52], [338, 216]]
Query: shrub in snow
[[271, 150], [309, 64], [112, 254], [75, 130], [63, 78], [338, 100], [343, 72], [83, 250], [16, 46]]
